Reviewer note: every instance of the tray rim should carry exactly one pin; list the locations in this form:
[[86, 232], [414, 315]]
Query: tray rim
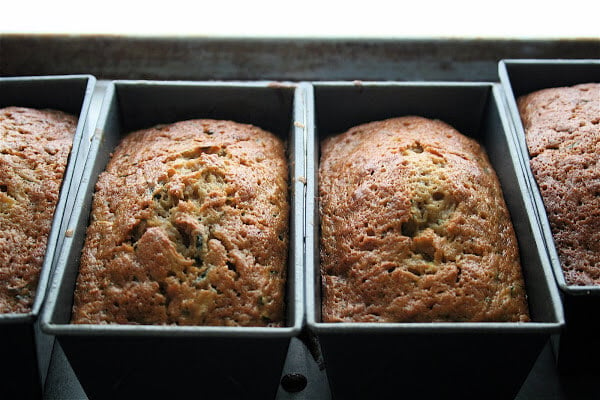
[[49, 261], [519, 138], [533, 327], [172, 331]]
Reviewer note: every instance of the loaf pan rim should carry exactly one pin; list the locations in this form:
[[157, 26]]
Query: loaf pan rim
[[49, 261], [519, 137]]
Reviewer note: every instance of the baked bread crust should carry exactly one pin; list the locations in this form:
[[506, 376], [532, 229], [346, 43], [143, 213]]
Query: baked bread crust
[[34, 150], [562, 131], [414, 228], [189, 227]]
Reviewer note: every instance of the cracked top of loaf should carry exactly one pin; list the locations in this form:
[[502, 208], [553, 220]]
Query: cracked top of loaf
[[414, 228], [562, 131], [34, 150], [190, 227]]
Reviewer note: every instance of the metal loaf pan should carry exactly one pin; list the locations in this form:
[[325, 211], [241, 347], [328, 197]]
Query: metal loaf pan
[[430, 360], [24, 349], [577, 348], [126, 361]]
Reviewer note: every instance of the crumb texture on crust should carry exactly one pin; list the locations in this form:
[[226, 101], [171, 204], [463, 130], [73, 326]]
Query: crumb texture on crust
[[34, 149], [189, 226], [562, 131], [414, 228]]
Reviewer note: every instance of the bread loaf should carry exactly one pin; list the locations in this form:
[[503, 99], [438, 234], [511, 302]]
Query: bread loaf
[[414, 228], [189, 227], [562, 131], [34, 150]]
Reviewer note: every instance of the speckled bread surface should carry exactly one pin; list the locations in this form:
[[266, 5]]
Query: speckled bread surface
[[189, 227], [562, 131], [34, 150], [414, 228]]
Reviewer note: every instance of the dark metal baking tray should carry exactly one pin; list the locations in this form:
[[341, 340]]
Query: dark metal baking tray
[[424, 360], [577, 348], [119, 361], [285, 59], [24, 349]]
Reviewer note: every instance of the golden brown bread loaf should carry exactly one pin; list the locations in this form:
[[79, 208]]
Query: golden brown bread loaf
[[414, 228], [190, 227], [562, 131], [34, 149]]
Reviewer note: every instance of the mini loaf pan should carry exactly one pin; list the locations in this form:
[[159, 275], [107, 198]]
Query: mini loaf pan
[[577, 348], [430, 360], [154, 361], [24, 349]]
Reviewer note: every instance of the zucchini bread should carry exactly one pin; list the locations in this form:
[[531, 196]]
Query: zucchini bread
[[189, 226], [414, 228], [562, 131], [34, 150]]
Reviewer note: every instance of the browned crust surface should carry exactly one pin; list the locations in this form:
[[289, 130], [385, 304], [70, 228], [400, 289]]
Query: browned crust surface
[[34, 149], [190, 227], [414, 228], [562, 128]]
